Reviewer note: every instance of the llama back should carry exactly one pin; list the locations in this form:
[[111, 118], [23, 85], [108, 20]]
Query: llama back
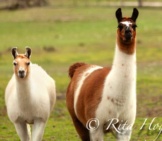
[[73, 68], [38, 73]]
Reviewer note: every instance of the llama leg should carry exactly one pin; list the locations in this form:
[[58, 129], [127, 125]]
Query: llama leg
[[38, 130], [82, 131], [21, 129], [97, 134], [125, 135]]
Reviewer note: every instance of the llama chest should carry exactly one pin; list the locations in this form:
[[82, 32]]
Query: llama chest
[[36, 103], [119, 95], [27, 109]]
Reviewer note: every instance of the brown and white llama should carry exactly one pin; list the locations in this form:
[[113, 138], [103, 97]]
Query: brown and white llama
[[102, 99], [30, 96]]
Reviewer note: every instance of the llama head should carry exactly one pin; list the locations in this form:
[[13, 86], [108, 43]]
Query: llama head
[[126, 26], [21, 63]]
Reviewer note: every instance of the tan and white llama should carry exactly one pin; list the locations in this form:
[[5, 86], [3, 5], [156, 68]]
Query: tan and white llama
[[30, 96], [102, 99]]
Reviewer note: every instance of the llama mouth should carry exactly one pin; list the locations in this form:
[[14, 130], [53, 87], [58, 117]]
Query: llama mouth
[[128, 36], [21, 75]]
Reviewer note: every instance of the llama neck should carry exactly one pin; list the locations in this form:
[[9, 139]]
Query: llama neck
[[122, 77], [123, 60], [23, 89]]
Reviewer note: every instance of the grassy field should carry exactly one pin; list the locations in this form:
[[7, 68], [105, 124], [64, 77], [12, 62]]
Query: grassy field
[[61, 36]]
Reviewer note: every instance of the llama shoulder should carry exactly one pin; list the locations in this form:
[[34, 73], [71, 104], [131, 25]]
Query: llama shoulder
[[39, 74], [40, 79]]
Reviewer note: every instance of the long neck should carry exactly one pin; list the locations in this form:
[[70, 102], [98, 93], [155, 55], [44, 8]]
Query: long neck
[[123, 60], [125, 54], [23, 90], [123, 73]]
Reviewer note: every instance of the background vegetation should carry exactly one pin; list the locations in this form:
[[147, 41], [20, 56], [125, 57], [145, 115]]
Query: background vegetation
[[60, 36]]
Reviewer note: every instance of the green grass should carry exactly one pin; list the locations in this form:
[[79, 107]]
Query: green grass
[[87, 35]]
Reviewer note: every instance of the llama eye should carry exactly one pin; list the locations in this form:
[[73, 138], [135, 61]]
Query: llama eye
[[120, 26], [28, 63], [14, 63], [134, 26]]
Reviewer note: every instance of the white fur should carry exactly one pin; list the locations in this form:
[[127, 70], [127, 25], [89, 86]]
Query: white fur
[[127, 23], [120, 85], [83, 76], [30, 100]]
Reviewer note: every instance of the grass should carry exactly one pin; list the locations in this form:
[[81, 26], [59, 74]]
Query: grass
[[87, 35]]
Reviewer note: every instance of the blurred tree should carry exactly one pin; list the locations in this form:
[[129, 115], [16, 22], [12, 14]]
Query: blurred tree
[[15, 4], [38, 2], [140, 3]]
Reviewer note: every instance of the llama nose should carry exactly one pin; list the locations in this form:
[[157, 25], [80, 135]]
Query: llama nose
[[128, 33], [21, 73]]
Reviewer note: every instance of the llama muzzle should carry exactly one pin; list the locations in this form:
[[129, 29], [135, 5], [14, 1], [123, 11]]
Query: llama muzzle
[[128, 34], [21, 73]]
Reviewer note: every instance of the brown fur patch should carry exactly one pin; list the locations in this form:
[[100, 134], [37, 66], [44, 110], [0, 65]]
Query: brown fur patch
[[126, 48], [90, 94], [21, 56]]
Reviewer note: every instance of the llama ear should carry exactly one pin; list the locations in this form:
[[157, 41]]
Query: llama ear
[[119, 14], [134, 14], [14, 52], [28, 52]]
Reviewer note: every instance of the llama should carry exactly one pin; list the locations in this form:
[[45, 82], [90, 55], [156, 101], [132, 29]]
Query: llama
[[30, 96], [101, 99]]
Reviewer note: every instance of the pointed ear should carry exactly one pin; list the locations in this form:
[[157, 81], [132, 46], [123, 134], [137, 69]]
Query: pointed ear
[[119, 14], [28, 52], [14, 52], [134, 14]]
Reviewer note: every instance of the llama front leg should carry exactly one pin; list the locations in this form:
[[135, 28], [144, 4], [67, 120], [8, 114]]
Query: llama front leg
[[97, 134], [124, 135], [21, 129], [38, 129]]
